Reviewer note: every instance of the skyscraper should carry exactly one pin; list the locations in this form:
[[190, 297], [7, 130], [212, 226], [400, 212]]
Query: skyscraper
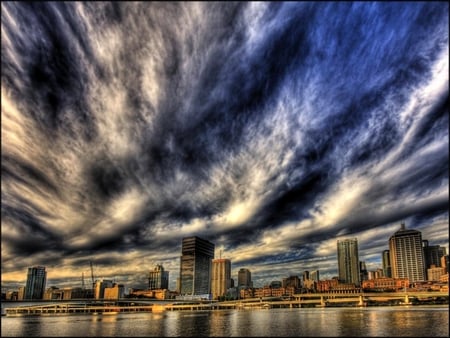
[[314, 275], [363, 273], [244, 278], [292, 281], [407, 259], [195, 266], [158, 278], [386, 260], [36, 280], [305, 275], [348, 261], [432, 254], [220, 277]]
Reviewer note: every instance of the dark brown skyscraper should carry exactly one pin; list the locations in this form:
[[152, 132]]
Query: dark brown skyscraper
[[195, 266], [36, 280]]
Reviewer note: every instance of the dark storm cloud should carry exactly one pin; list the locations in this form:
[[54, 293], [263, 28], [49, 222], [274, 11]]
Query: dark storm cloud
[[263, 127], [51, 76], [26, 173], [35, 237]]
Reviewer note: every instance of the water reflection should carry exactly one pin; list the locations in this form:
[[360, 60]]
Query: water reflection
[[405, 321], [103, 325], [30, 323], [347, 322], [195, 323], [394, 321], [220, 323]]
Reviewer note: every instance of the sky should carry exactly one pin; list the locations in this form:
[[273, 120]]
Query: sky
[[271, 129]]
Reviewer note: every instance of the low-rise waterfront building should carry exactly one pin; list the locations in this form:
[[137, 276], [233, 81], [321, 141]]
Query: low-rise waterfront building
[[434, 273], [246, 293], [385, 284], [12, 295], [114, 292], [160, 294], [326, 285], [55, 293], [309, 285]]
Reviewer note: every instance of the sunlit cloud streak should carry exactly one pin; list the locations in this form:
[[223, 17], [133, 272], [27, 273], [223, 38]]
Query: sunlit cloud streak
[[272, 129]]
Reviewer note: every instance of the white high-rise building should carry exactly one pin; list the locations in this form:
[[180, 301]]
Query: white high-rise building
[[406, 254]]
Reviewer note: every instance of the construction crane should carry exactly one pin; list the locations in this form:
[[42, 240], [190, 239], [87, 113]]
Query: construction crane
[[82, 281], [92, 276]]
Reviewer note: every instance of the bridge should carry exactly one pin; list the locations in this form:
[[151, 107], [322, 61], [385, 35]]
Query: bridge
[[295, 301], [339, 299]]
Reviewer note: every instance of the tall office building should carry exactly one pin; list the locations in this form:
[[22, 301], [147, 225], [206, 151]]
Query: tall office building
[[314, 275], [386, 261], [432, 254], [220, 277], [363, 273], [195, 266], [407, 259], [348, 261], [158, 278], [305, 275], [244, 278], [36, 280], [291, 281]]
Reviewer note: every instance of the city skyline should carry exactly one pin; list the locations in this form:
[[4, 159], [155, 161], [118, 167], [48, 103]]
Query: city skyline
[[269, 129], [345, 247]]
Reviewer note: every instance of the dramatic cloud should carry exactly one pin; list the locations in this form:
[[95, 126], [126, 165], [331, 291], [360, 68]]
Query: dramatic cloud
[[270, 129]]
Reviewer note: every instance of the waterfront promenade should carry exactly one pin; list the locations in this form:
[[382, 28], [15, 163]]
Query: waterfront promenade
[[295, 301]]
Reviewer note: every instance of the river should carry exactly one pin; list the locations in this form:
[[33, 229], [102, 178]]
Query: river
[[392, 321]]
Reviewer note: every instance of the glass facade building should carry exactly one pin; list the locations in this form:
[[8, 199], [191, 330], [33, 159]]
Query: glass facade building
[[195, 266], [386, 260], [348, 261], [36, 280], [433, 254]]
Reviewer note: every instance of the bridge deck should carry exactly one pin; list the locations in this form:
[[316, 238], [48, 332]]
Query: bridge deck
[[298, 300]]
